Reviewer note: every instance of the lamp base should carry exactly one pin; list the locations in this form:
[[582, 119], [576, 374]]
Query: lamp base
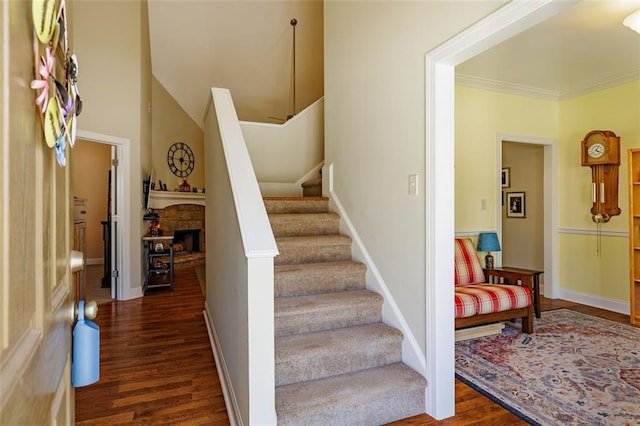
[[488, 261]]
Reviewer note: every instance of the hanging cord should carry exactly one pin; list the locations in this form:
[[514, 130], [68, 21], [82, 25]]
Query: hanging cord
[[294, 22]]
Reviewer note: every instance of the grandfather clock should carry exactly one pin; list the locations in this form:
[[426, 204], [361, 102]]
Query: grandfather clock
[[601, 152]]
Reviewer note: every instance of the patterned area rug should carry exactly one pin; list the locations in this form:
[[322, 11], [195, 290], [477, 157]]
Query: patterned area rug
[[574, 370]]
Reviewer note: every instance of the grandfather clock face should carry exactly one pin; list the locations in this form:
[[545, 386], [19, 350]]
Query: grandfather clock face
[[601, 152]]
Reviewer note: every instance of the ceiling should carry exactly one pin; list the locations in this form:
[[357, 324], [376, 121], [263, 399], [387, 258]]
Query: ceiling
[[582, 49], [246, 46]]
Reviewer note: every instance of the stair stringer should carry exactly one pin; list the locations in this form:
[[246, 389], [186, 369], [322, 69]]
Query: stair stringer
[[412, 354]]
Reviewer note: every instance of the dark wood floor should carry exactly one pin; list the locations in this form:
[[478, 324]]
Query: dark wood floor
[[157, 367]]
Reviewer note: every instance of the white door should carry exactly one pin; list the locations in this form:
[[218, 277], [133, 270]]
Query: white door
[[36, 294]]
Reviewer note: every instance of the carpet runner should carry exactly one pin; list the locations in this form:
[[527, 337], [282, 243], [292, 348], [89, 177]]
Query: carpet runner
[[336, 362], [575, 369]]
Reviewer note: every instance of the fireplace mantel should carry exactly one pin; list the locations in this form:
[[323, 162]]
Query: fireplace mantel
[[161, 199]]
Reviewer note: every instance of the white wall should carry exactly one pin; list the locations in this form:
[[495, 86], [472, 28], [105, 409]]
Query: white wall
[[283, 153], [375, 128], [114, 82]]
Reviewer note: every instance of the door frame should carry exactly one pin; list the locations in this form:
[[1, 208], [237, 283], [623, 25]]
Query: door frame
[[504, 23], [550, 200], [123, 147]]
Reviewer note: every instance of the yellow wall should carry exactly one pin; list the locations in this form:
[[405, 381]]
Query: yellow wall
[[480, 116], [172, 124], [590, 266], [583, 268]]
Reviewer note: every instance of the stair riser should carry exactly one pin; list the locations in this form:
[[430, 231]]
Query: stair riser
[[304, 225], [312, 253], [319, 205], [300, 282], [327, 319], [369, 397], [373, 412], [323, 363]]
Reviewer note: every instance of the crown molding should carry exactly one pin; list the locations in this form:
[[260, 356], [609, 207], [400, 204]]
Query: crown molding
[[501, 86], [613, 81], [534, 92]]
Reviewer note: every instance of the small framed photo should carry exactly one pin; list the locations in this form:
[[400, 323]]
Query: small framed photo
[[506, 182], [515, 204]]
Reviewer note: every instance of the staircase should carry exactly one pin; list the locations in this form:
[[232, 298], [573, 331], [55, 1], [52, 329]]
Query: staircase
[[336, 362]]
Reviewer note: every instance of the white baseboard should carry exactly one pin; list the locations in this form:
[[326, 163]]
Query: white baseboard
[[412, 354], [230, 401], [614, 305]]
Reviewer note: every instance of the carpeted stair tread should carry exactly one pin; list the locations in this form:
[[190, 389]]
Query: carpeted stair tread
[[369, 397], [316, 248], [299, 224], [303, 314], [322, 354], [311, 278], [296, 204]]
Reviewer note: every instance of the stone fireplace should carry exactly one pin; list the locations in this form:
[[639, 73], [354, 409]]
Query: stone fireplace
[[187, 223]]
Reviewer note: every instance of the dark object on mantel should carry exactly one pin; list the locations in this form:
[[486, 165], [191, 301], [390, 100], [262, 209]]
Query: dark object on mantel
[[151, 216]]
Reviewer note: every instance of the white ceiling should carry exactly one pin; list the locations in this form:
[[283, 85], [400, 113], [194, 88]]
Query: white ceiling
[[246, 46], [582, 49]]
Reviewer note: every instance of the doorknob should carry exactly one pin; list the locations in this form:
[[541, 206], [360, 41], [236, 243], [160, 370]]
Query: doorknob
[[76, 261], [90, 310]]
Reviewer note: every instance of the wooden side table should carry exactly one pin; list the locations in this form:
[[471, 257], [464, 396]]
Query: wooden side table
[[535, 279]]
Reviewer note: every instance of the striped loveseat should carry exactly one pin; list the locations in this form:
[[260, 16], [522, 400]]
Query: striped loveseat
[[489, 295]]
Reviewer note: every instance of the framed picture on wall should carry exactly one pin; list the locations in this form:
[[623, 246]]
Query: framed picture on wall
[[506, 177], [515, 204]]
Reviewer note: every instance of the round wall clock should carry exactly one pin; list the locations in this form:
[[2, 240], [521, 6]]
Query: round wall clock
[[180, 159]]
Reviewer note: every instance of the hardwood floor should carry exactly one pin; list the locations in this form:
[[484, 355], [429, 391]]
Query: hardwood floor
[[157, 367]]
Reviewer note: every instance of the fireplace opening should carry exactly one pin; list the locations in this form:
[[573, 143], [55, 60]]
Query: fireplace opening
[[186, 241]]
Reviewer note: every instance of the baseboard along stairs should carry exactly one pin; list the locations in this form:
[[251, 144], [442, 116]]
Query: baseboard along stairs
[[336, 363]]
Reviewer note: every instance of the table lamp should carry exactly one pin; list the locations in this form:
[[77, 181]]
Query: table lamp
[[488, 241]]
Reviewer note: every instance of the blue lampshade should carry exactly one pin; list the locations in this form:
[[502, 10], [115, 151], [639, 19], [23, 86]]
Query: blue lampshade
[[488, 241]]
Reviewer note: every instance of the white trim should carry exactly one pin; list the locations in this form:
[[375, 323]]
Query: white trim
[[230, 402], [255, 229], [550, 197], [513, 18], [614, 81], [286, 123], [277, 189], [615, 305], [591, 232], [124, 292], [162, 199], [505, 87], [412, 354]]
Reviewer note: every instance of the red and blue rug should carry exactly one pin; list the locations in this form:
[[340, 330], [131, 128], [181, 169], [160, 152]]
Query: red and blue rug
[[575, 369]]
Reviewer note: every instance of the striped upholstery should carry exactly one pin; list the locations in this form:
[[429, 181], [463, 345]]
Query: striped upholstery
[[466, 305], [467, 264], [488, 298]]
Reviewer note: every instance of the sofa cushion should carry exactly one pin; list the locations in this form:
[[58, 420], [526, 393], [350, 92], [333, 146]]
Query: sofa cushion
[[468, 269], [466, 305], [488, 298]]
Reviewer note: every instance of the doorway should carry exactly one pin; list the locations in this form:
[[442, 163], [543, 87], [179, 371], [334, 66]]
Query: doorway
[[92, 190], [119, 207], [440, 63]]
